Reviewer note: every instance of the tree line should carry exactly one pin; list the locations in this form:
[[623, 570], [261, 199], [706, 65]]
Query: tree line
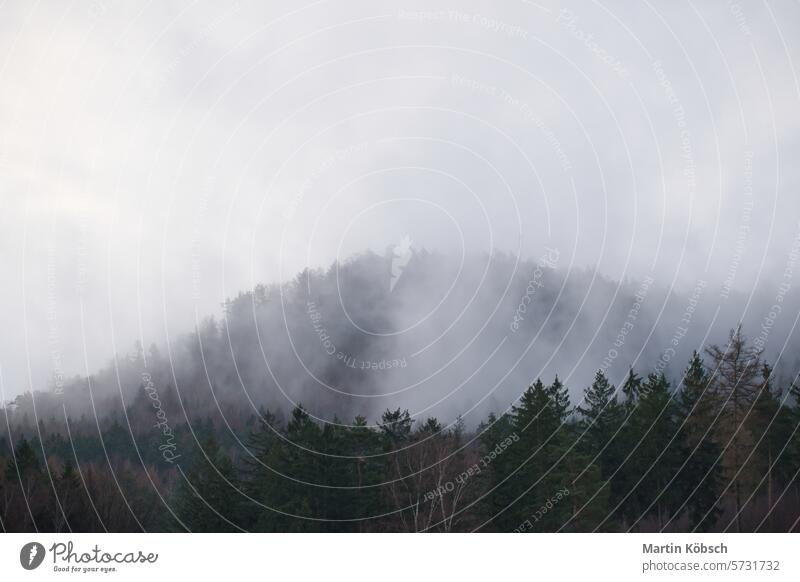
[[717, 449]]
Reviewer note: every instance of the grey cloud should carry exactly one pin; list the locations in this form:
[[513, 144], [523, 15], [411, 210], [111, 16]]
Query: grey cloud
[[156, 160]]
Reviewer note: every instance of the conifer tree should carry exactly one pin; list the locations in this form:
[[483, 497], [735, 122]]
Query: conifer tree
[[498, 481], [769, 424], [206, 501], [24, 475], [536, 421], [260, 471], [74, 514], [301, 463], [367, 466], [601, 418], [559, 398], [631, 388], [655, 452], [700, 478]]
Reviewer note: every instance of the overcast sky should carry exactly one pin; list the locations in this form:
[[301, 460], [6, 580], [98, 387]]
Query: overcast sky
[[156, 158]]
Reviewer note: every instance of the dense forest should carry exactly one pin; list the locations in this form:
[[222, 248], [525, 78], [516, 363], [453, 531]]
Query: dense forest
[[227, 433], [720, 451]]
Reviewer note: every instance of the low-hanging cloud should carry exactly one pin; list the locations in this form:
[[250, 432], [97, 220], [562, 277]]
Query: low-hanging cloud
[[156, 161]]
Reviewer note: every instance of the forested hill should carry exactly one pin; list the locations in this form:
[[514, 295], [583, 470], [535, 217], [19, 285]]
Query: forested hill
[[441, 336], [373, 398]]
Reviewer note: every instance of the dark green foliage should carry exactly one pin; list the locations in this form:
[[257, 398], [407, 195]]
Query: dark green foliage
[[770, 425], [650, 465], [662, 459], [207, 499], [601, 420]]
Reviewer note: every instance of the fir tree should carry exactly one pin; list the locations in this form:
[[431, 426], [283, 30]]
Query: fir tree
[[601, 419], [769, 423], [207, 500], [701, 476]]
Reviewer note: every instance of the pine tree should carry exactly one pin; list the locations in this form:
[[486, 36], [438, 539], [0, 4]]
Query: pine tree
[[499, 483], [791, 464], [536, 420], [621, 489], [207, 500], [601, 419], [586, 507], [395, 428], [769, 423], [631, 388], [74, 511], [261, 473], [655, 454], [301, 464], [701, 475], [559, 398], [367, 466], [24, 475]]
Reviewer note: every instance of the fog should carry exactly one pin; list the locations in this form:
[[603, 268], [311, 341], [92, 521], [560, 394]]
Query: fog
[[157, 161]]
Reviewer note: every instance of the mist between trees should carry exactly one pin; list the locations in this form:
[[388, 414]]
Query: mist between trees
[[226, 434], [719, 452]]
